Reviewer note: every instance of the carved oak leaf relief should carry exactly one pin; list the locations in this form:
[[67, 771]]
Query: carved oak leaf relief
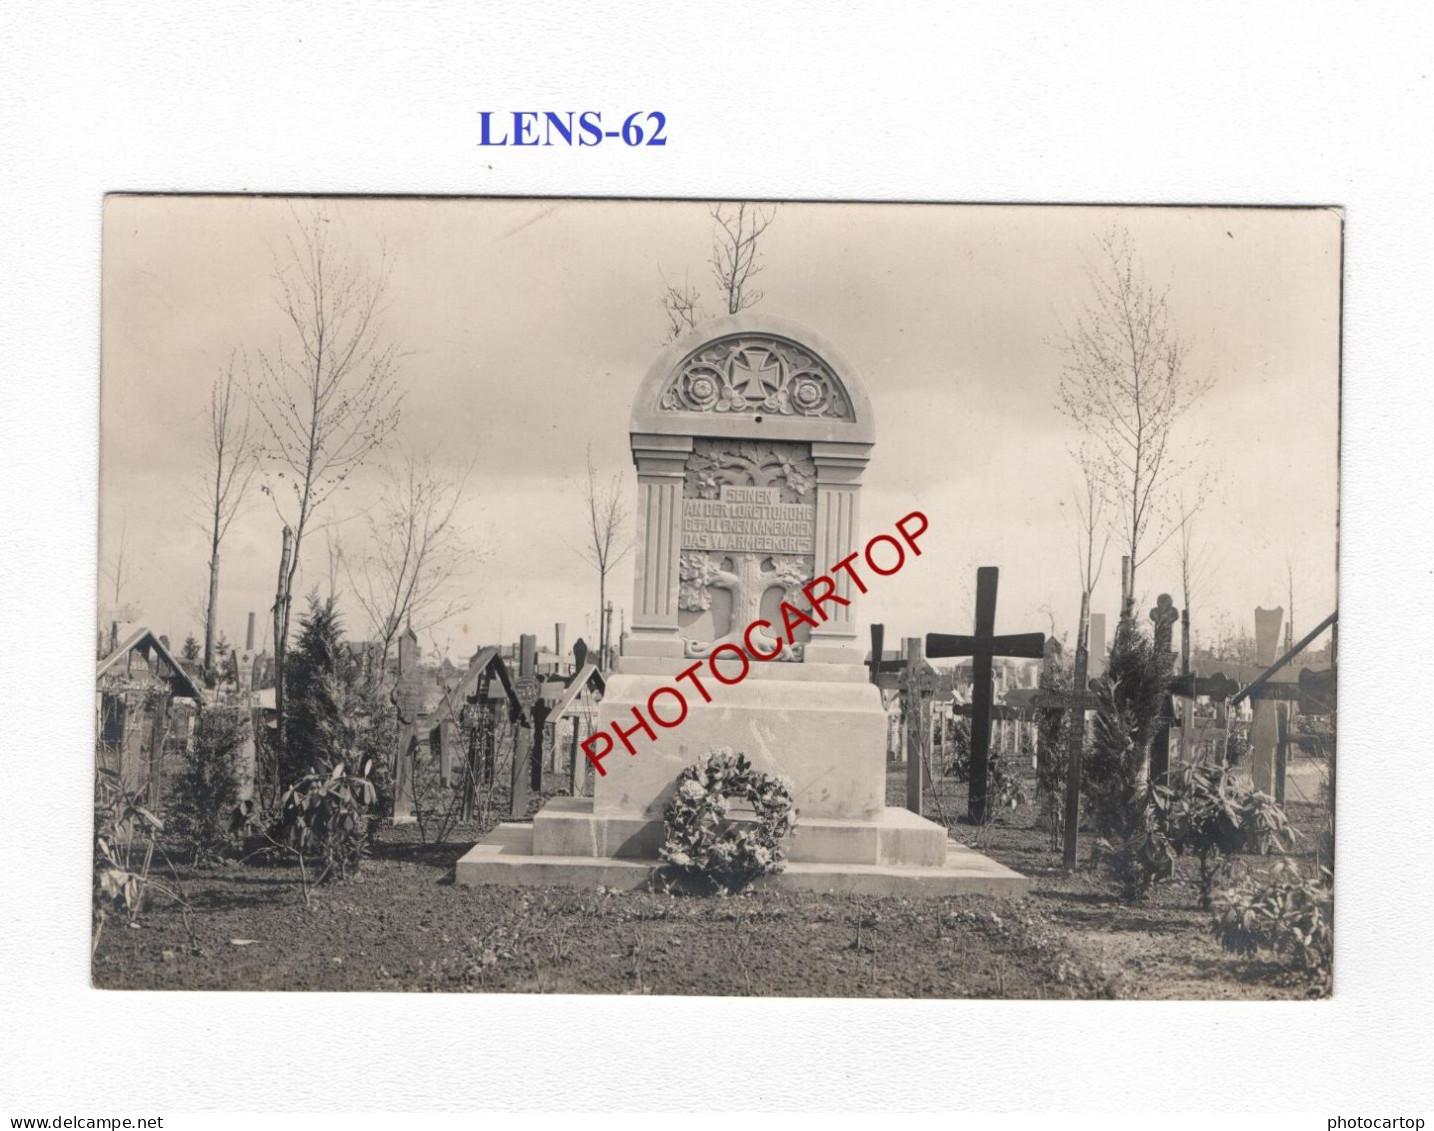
[[784, 464]]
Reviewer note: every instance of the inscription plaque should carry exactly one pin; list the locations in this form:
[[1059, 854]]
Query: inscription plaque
[[749, 519]]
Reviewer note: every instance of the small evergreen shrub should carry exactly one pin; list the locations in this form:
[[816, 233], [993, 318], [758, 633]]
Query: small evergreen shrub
[[1129, 811], [205, 792], [337, 714]]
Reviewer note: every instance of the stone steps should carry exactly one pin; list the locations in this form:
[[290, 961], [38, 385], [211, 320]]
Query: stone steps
[[505, 857]]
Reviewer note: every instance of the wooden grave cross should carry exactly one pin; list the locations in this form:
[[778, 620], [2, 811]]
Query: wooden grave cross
[[1187, 688], [916, 683], [983, 646], [879, 667], [1076, 702], [526, 764]]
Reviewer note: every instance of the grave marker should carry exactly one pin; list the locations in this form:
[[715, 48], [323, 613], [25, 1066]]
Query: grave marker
[[1076, 703], [1098, 651], [878, 666], [1163, 617], [1188, 687], [750, 439], [1264, 724], [527, 689], [408, 700], [983, 646], [246, 757]]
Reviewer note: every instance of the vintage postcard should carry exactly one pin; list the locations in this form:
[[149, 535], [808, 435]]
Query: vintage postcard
[[733, 598]]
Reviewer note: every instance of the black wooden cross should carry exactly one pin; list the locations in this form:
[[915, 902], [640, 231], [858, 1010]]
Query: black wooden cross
[[982, 647], [1077, 702], [1192, 686], [877, 665]]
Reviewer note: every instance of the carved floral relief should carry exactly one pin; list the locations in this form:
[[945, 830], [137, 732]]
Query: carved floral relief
[[748, 373]]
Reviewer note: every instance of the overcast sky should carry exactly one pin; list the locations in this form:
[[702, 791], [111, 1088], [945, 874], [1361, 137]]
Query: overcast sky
[[526, 327]]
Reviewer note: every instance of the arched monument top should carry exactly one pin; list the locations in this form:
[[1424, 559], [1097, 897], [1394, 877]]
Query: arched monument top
[[752, 375]]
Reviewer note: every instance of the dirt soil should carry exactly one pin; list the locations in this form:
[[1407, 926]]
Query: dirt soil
[[402, 924]]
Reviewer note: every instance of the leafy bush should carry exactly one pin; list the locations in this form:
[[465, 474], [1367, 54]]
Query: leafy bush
[[126, 839], [326, 816], [704, 845], [1237, 745], [205, 792], [1290, 915], [1213, 817], [1004, 790]]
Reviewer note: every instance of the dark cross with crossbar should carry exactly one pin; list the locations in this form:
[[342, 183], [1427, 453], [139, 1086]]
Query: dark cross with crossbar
[[1076, 702], [983, 646], [879, 667]]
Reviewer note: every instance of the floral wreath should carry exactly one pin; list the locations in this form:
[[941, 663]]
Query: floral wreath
[[702, 844]]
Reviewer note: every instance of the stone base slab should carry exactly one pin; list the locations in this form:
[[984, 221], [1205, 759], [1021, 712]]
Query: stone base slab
[[506, 858], [567, 826]]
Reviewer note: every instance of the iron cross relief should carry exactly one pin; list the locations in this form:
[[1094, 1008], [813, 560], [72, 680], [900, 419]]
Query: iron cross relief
[[983, 646], [756, 373]]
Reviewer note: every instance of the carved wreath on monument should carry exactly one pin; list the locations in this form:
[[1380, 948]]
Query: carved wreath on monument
[[756, 373]]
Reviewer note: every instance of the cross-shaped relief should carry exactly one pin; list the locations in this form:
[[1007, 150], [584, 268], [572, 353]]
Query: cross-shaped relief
[[756, 374]]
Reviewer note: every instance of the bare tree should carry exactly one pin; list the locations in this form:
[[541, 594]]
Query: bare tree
[[1196, 568], [609, 541], [681, 305], [1125, 386], [734, 251], [328, 400], [117, 573], [1092, 534], [230, 458], [337, 561], [736, 230], [1092, 538], [118, 569], [415, 550]]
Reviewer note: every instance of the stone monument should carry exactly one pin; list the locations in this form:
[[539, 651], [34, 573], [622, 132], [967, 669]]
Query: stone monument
[[750, 438]]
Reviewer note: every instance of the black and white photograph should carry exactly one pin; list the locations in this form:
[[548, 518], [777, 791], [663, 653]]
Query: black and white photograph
[[651, 563], [719, 598]]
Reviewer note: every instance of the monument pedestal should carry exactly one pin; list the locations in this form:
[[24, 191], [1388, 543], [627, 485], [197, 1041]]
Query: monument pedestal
[[823, 733]]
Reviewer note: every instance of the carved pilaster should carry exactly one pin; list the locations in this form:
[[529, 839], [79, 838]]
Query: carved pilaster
[[661, 462], [839, 470]]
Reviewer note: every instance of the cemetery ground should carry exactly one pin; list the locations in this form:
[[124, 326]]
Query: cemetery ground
[[402, 924]]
